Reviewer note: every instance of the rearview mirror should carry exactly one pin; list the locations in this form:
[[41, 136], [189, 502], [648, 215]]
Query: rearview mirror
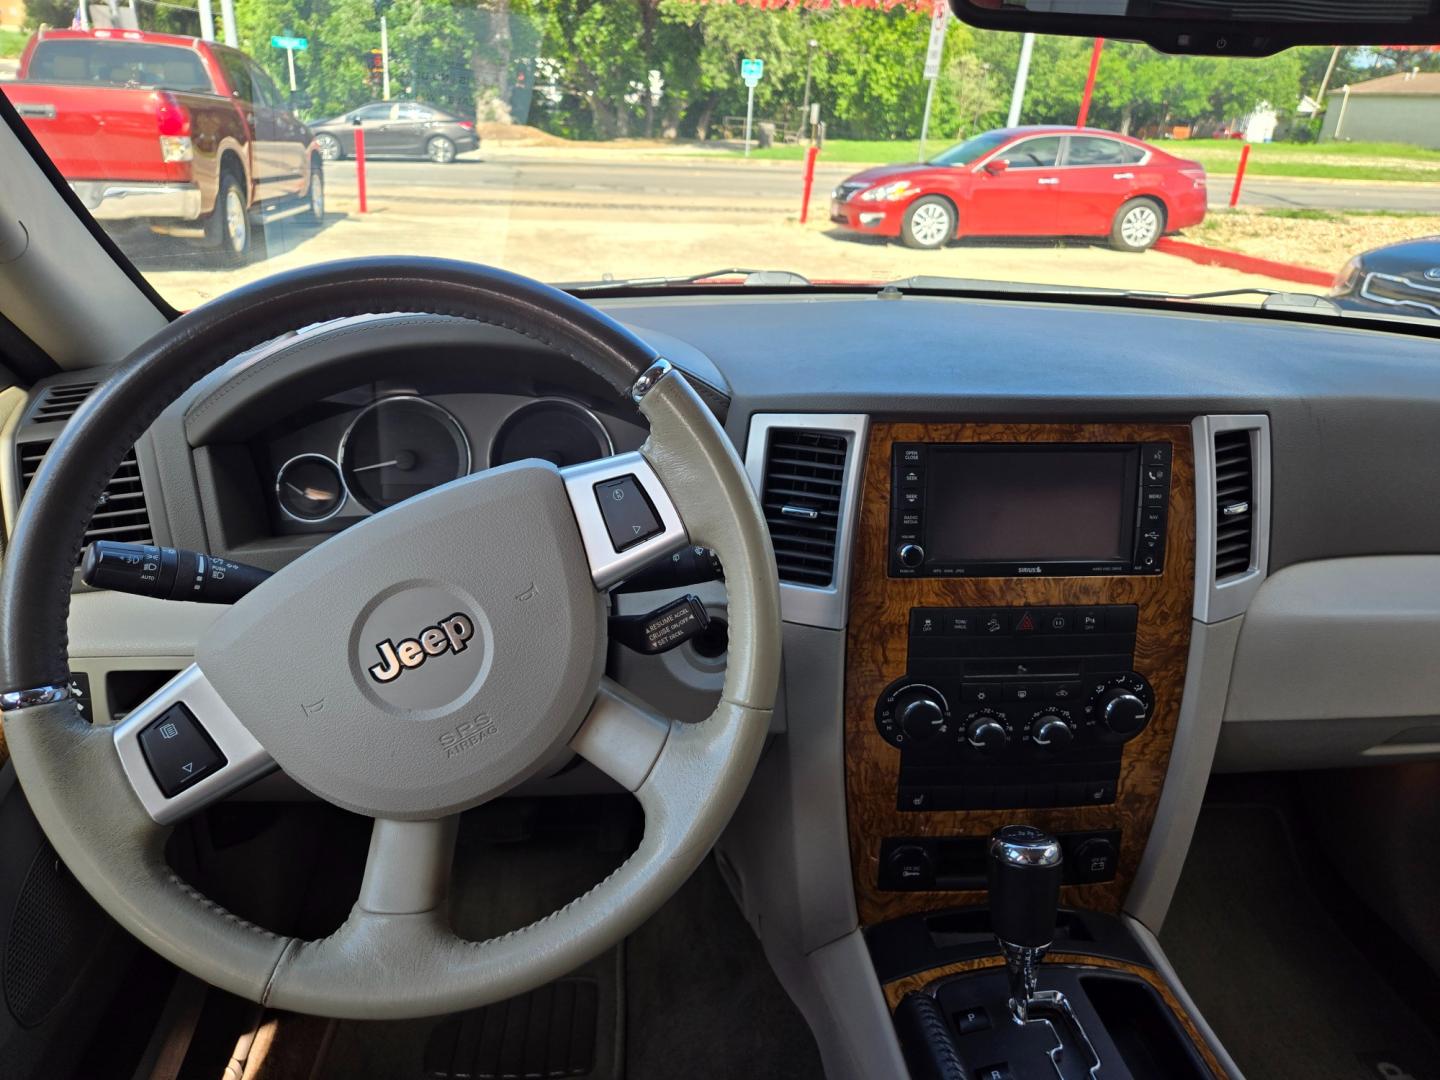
[[995, 166], [1215, 27]]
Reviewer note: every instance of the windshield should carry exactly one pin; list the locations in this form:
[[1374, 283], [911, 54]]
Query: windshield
[[590, 141], [971, 150]]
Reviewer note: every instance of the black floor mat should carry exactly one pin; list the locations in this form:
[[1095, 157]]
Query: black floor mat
[[690, 994], [1287, 993]]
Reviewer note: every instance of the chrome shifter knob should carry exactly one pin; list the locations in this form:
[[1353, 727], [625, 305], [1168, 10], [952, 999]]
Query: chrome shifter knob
[[1024, 872]]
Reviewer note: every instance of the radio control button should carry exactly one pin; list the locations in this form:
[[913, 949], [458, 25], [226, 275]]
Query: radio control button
[[1157, 475], [1155, 497], [911, 474], [912, 498], [1156, 454], [910, 455]]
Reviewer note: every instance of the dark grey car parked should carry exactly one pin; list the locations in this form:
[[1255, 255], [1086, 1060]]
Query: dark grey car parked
[[1401, 279], [398, 129]]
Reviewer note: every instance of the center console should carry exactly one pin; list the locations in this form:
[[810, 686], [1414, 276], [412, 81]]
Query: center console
[[1019, 625]]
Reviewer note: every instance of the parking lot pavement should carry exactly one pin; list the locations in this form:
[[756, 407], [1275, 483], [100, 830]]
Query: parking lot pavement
[[569, 237]]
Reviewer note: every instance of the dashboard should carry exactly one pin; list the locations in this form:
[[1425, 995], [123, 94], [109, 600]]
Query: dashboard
[[1225, 658]]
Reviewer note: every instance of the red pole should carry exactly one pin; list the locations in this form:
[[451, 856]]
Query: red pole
[[1090, 82], [360, 166], [1239, 175], [810, 156]]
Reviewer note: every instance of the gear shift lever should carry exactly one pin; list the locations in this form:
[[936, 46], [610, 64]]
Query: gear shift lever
[[1025, 871]]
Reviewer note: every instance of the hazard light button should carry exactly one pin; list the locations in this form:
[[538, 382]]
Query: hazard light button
[[1027, 622], [628, 515]]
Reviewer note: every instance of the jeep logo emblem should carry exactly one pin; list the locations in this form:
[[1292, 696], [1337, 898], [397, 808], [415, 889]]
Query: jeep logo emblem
[[450, 634]]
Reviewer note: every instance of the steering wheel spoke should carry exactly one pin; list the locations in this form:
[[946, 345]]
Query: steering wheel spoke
[[407, 870], [183, 749], [621, 736], [626, 517]]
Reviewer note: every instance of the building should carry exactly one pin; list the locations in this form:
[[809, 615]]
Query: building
[[12, 14], [1403, 108]]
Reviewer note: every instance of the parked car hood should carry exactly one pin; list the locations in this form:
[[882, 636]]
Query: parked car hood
[[1412, 258], [880, 173]]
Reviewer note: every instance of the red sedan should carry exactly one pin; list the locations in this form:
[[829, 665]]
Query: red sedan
[[1029, 181]]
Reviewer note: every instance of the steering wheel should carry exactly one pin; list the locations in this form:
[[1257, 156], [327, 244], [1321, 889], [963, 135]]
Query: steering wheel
[[422, 662]]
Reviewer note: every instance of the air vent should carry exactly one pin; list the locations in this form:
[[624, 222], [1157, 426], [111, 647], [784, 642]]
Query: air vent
[[1234, 504], [120, 514], [801, 496], [58, 403]]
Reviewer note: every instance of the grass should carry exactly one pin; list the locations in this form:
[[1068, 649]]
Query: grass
[[1331, 161], [12, 42], [855, 151]]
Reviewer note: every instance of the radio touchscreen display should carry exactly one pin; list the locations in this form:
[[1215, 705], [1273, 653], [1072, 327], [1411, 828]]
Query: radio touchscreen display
[[1022, 503]]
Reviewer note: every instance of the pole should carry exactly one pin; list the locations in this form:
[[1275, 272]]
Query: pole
[[84, 12], [1090, 83], [232, 30], [360, 167], [1239, 176], [749, 115], [925, 120], [384, 59], [810, 155], [290, 59], [207, 20], [1022, 72], [1340, 120], [805, 105], [1325, 82]]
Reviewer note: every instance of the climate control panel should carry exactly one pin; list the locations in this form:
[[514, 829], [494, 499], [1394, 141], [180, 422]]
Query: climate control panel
[[1014, 707]]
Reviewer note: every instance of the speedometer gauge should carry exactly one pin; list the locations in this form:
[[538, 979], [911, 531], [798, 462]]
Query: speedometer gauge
[[399, 447], [552, 429]]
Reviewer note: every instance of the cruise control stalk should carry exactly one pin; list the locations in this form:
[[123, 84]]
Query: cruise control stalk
[[167, 573]]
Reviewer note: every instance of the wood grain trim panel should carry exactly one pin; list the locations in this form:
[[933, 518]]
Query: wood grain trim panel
[[896, 990], [876, 646]]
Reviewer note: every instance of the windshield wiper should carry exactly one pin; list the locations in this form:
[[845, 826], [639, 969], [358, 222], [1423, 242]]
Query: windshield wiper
[[1275, 299], [751, 277]]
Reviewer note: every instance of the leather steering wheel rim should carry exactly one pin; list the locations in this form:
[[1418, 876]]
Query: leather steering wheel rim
[[395, 956]]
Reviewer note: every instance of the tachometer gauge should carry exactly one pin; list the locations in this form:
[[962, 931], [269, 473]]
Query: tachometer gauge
[[309, 488], [553, 430], [399, 447]]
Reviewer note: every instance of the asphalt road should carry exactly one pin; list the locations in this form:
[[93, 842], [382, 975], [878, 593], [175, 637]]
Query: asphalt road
[[489, 173]]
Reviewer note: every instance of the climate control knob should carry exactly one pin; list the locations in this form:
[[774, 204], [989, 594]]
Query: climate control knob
[[1122, 712], [911, 555], [985, 731], [1051, 731], [921, 713], [1120, 706]]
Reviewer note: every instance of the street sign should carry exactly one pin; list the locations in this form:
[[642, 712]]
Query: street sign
[[299, 44], [938, 22], [752, 71]]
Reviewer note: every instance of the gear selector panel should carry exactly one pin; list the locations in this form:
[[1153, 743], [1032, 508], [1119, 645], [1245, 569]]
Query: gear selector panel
[[1011, 708]]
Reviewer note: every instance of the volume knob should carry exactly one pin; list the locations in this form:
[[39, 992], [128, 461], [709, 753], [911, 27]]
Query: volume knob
[[911, 555]]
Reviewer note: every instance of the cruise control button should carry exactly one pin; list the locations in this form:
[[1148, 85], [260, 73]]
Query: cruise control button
[[629, 517], [178, 751]]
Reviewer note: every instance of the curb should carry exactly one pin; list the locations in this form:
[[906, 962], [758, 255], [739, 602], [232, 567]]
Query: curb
[[1249, 264]]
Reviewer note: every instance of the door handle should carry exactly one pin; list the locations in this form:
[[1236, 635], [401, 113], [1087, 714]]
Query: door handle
[[1048, 180], [1122, 176]]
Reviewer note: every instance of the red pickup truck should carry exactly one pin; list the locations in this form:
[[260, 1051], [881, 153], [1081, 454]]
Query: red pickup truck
[[175, 134]]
